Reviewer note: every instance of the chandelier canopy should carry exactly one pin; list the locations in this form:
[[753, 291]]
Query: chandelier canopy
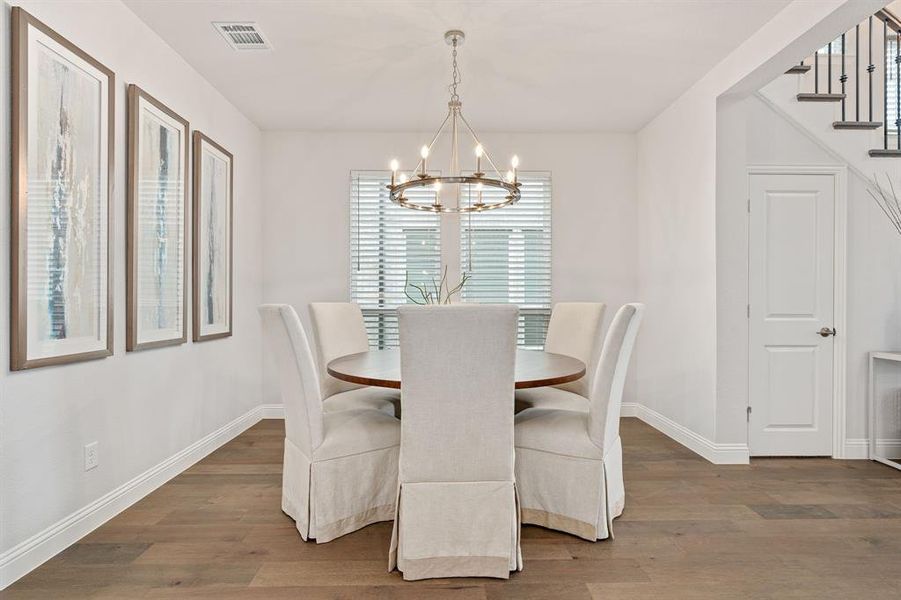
[[468, 192]]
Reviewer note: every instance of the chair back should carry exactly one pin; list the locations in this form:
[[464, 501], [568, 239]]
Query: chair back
[[457, 365], [575, 330], [297, 376], [338, 330], [607, 393]]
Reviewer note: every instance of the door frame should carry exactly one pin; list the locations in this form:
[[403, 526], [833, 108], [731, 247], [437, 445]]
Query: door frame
[[839, 175]]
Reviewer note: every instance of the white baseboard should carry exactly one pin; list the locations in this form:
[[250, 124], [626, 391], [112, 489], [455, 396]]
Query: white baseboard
[[272, 411], [629, 409], [30, 554], [859, 448], [719, 454]]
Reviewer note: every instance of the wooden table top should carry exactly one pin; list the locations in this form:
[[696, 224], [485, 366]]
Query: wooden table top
[[381, 368]]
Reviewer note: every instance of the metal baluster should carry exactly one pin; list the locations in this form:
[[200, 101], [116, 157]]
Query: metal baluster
[[885, 85], [857, 73], [870, 67], [816, 72], [829, 68], [844, 77]]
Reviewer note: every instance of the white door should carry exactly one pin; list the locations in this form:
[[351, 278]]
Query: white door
[[791, 310]]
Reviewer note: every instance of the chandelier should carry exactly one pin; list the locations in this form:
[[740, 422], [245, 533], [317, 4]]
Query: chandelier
[[467, 193]]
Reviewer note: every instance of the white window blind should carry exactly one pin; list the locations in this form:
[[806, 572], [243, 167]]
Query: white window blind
[[386, 242], [508, 254], [891, 84]]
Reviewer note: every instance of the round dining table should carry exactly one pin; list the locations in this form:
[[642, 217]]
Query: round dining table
[[381, 368]]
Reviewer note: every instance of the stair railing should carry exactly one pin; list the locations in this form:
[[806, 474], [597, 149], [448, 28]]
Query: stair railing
[[891, 86], [891, 79]]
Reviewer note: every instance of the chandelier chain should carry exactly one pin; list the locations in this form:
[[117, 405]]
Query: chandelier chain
[[456, 74]]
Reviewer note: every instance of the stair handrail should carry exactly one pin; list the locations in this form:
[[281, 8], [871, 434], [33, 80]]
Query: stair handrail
[[893, 21]]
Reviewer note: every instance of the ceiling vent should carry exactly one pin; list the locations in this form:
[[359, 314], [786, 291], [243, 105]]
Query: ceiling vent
[[243, 36]]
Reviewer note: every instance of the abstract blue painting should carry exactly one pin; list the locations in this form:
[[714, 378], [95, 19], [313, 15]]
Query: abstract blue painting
[[157, 202], [212, 239], [63, 100]]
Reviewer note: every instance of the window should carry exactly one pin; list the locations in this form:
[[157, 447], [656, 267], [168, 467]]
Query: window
[[891, 84], [386, 242], [508, 253], [836, 47]]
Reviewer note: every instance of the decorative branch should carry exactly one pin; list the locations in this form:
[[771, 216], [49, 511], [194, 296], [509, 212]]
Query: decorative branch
[[407, 284], [888, 200], [458, 289], [442, 294]]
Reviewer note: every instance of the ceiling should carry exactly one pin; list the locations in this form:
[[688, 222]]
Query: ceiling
[[527, 66]]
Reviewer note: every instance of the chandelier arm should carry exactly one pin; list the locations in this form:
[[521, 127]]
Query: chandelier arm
[[455, 155], [434, 139], [479, 142]]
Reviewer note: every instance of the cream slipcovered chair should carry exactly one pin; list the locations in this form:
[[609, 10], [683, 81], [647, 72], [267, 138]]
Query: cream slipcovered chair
[[340, 469], [569, 464], [339, 330], [457, 512], [574, 330]]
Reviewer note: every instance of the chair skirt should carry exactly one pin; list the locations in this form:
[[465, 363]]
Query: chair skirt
[[456, 529], [330, 498], [580, 496]]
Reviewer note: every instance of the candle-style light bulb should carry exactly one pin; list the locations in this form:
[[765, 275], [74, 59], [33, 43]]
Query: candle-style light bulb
[[515, 163], [479, 152], [437, 193], [403, 178], [424, 153], [394, 167]]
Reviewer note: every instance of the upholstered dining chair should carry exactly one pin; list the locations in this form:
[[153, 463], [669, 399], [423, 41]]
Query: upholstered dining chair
[[339, 330], [569, 464], [457, 513], [340, 468], [574, 330]]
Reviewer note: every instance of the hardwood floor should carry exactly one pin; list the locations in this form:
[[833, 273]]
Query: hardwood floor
[[778, 528]]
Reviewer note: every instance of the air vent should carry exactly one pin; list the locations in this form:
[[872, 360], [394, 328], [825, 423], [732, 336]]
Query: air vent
[[243, 36]]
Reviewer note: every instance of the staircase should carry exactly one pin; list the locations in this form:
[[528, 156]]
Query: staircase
[[859, 75]]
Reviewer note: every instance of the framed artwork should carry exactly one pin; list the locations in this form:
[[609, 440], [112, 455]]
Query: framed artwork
[[156, 295], [62, 175], [213, 210]]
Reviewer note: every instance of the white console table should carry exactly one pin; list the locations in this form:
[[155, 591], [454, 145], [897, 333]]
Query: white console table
[[875, 453]]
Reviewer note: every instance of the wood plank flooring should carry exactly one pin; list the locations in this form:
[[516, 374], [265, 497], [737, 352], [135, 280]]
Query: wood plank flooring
[[778, 528]]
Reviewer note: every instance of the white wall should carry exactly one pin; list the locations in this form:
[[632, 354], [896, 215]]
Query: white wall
[[677, 166], [873, 248], [305, 227], [141, 407]]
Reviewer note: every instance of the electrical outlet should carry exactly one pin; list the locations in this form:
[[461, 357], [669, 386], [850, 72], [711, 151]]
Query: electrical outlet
[[91, 456]]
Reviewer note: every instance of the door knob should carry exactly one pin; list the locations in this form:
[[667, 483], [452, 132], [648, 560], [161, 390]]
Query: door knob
[[826, 331]]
